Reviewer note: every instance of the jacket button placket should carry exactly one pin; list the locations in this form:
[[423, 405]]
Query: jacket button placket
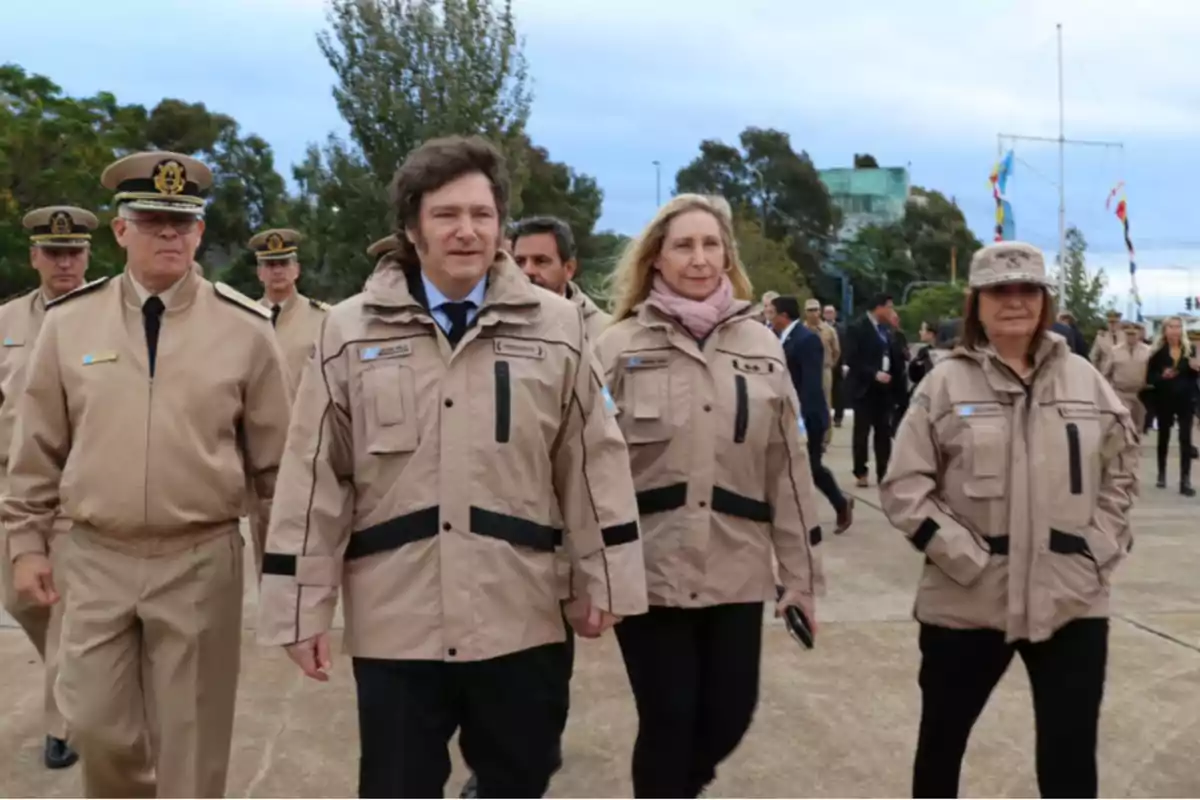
[[454, 497]]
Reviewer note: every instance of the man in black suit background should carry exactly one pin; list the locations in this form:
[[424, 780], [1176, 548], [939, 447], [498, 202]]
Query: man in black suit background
[[805, 353], [870, 352]]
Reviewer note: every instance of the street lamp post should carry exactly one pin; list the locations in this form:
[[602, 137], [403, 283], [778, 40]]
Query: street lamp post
[[657, 182]]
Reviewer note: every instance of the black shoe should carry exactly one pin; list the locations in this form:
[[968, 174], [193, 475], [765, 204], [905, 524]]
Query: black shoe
[[1162, 481], [1185, 488], [58, 754], [470, 789]]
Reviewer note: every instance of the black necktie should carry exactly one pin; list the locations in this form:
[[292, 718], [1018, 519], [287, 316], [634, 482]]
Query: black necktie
[[275, 309], [152, 311], [457, 312]]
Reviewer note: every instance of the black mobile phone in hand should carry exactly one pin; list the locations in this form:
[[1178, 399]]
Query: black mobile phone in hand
[[796, 622]]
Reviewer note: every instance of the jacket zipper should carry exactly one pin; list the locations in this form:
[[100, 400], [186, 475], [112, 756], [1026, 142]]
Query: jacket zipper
[[1074, 458], [503, 401], [741, 420]]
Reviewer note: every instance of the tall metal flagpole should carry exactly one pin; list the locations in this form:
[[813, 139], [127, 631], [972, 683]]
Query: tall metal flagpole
[[1062, 183]]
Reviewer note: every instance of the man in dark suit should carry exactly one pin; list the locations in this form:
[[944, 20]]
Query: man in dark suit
[[1069, 330], [805, 353], [874, 368]]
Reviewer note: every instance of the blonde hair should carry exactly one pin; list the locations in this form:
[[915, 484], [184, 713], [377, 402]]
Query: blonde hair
[[634, 274], [1185, 344]]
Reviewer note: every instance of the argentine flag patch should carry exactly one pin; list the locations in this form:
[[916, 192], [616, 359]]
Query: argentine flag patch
[[610, 405]]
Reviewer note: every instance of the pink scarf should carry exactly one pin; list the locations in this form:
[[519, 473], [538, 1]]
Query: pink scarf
[[698, 316]]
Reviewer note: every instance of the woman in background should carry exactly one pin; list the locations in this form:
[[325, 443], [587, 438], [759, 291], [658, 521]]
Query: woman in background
[[1172, 373]]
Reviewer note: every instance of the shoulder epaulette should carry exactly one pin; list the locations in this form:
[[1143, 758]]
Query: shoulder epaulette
[[318, 305], [232, 295], [87, 288]]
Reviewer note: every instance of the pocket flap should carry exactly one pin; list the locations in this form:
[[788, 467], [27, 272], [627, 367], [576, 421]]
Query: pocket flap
[[649, 388], [1080, 411], [384, 387]]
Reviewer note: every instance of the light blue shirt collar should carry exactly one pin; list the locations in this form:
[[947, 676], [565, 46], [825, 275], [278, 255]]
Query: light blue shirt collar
[[437, 299]]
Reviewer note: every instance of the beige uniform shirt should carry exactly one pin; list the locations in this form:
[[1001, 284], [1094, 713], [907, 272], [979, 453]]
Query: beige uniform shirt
[[829, 338], [1102, 350], [719, 463], [1019, 496], [20, 322], [297, 325], [434, 486], [136, 458], [1127, 368]]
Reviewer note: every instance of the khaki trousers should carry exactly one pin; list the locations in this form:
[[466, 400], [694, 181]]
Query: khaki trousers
[[150, 656], [1136, 410], [43, 626], [827, 386]]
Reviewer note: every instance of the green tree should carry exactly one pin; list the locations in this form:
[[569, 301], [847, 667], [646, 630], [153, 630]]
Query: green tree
[[877, 259], [598, 257], [780, 186], [931, 304], [937, 233], [767, 262], [406, 71], [1084, 291], [865, 161], [53, 149]]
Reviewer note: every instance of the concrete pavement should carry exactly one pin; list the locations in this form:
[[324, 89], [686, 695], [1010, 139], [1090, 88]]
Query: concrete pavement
[[839, 721]]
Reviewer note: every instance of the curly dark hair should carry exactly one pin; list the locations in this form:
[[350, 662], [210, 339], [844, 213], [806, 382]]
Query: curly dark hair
[[430, 167]]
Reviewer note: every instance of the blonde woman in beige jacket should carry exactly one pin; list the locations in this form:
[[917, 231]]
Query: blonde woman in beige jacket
[[706, 405], [1014, 474]]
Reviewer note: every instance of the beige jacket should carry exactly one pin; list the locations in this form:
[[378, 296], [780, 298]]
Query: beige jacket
[[434, 486], [132, 457], [1019, 499], [1127, 368], [594, 319], [829, 338], [1102, 350], [719, 462], [20, 321], [297, 326]]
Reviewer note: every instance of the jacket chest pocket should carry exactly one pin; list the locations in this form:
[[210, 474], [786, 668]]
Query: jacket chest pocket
[[985, 455], [646, 400], [752, 399], [389, 400]]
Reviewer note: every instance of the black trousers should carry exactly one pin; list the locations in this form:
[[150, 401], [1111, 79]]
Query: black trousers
[[959, 669], [822, 477], [838, 395], [872, 414], [1168, 415], [510, 712], [694, 674]]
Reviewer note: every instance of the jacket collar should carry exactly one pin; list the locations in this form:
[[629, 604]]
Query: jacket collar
[[394, 293], [1052, 350], [176, 298]]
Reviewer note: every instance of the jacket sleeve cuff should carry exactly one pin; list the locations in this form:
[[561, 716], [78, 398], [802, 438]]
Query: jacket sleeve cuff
[[25, 542], [282, 622], [953, 549], [615, 579]]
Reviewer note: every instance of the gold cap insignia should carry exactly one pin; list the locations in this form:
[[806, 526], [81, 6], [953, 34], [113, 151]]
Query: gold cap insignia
[[61, 223], [274, 243], [170, 177]]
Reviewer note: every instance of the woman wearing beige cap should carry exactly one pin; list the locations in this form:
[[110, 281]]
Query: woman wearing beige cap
[[1014, 473]]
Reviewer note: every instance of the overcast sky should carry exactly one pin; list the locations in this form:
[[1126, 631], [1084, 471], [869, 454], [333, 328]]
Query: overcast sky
[[620, 83]]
